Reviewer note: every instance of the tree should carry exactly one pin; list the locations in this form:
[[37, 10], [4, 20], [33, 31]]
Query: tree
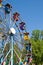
[[35, 34], [42, 34], [37, 51]]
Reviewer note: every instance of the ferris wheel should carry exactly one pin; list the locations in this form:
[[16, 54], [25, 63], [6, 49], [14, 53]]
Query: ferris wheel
[[13, 31]]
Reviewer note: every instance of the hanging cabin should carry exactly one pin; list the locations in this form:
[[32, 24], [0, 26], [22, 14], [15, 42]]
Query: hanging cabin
[[7, 8], [16, 16], [22, 25], [26, 36]]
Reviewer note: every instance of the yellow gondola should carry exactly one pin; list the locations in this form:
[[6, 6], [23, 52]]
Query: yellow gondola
[[0, 4], [26, 37]]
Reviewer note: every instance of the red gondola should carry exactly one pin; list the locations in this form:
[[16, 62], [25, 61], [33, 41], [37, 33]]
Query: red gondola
[[30, 60], [15, 16], [0, 1]]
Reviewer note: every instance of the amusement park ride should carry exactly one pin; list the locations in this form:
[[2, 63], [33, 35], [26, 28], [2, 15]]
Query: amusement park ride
[[13, 30]]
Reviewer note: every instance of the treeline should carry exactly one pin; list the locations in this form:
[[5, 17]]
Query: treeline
[[37, 47]]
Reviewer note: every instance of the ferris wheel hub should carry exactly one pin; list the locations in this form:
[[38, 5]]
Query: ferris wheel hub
[[12, 30]]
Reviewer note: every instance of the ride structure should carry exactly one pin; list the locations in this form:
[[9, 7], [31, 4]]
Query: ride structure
[[13, 31]]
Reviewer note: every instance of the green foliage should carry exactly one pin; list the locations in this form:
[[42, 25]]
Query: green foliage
[[42, 34], [36, 34], [37, 47]]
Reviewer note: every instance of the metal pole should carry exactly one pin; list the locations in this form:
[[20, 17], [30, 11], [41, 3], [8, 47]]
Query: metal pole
[[11, 50]]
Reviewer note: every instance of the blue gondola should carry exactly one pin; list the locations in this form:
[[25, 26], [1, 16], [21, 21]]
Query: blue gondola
[[7, 8]]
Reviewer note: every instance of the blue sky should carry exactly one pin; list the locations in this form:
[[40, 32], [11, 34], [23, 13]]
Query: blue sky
[[31, 12]]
